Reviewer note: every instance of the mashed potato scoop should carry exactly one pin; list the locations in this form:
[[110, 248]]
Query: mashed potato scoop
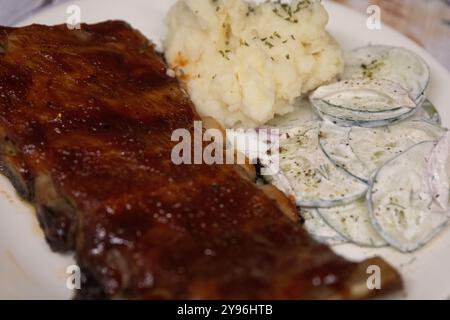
[[244, 63]]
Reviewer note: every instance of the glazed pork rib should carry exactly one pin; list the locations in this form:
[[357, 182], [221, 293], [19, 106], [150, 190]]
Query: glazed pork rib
[[86, 118]]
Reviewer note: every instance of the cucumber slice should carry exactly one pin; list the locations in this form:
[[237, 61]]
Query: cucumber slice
[[334, 141], [391, 63], [362, 151], [439, 172], [363, 102], [351, 122], [356, 116], [352, 221], [319, 229], [376, 146], [308, 174], [362, 96], [401, 205], [427, 112]]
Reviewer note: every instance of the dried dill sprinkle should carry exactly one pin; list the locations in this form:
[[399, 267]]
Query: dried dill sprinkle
[[250, 10], [371, 68], [244, 43], [270, 45], [287, 12], [224, 54]]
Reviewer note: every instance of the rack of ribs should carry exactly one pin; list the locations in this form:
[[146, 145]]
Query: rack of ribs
[[86, 118]]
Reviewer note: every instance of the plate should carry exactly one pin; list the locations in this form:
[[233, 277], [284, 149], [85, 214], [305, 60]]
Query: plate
[[29, 270]]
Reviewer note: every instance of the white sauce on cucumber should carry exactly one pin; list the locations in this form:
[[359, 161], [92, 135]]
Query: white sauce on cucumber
[[401, 205], [313, 179], [352, 221], [362, 151], [392, 63], [439, 172], [363, 102], [319, 229]]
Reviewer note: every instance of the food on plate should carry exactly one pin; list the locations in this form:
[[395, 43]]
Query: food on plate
[[376, 127], [86, 123], [380, 86], [307, 175], [367, 103], [303, 111], [401, 204], [407, 203], [244, 63], [362, 151], [352, 222], [427, 112], [399, 65], [316, 226], [369, 96], [439, 172]]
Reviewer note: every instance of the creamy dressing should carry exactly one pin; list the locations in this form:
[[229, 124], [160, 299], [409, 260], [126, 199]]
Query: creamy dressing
[[401, 204], [315, 181], [353, 222], [319, 229], [439, 172], [398, 65]]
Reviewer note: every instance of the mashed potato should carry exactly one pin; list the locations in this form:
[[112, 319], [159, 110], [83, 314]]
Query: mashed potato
[[244, 63]]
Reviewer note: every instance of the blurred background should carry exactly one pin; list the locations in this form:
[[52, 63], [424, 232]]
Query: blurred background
[[425, 21]]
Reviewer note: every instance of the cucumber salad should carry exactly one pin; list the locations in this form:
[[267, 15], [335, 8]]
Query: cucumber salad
[[366, 159]]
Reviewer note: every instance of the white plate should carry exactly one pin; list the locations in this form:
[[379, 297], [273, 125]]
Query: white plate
[[29, 270]]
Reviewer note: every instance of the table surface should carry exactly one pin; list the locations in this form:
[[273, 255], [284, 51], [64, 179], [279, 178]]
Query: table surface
[[427, 22]]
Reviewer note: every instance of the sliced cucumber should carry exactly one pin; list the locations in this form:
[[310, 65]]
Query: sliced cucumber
[[392, 63], [439, 172], [334, 141], [362, 151], [351, 122], [376, 146], [363, 96], [308, 174], [401, 205], [427, 112], [363, 101], [352, 221], [356, 116], [319, 229]]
